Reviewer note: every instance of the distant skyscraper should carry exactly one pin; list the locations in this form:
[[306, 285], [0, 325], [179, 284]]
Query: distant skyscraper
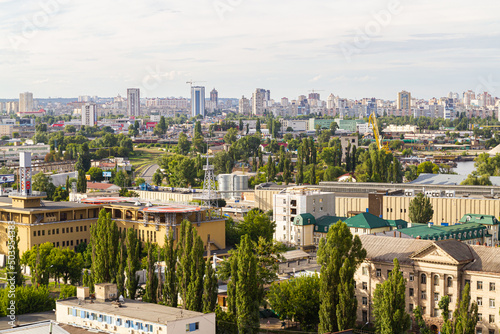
[[26, 102], [404, 101], [258, 101], [89, 114], [244, 106], [214, 96], [371, 107], [314, 96], [134, 102], [330, 102], [197, 101], [285, 102]]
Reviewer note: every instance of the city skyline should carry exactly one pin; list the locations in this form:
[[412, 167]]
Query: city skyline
[[370, 49]]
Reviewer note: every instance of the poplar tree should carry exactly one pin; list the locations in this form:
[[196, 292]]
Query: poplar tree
[[133, 262], [183, 272], [339, 255], [312, 176], [466, 314], [104, 242], [271, 169], [14, 273], [210, 288], [420, 209], [81, 184], [231, 284], [247, 305], [170, 288], [389, 305], [121, 259], [194, 301], [151, 279]]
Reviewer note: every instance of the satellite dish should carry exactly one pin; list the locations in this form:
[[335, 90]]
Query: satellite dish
[[138, 203], [149, 204]]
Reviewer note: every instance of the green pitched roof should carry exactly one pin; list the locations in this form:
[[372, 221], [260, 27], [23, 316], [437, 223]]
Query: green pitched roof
[[398, 222], [324, 222], [366, 220], [459, 231], [304, 219], [481, 219]]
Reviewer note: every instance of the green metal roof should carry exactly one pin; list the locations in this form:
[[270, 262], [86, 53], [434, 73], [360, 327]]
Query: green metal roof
[[398, 223], [304, 219], [481, 219], [459, 231], [366, 220], [324, 222]]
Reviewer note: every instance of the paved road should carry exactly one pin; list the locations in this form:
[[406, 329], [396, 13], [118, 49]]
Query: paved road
[[148, 172]]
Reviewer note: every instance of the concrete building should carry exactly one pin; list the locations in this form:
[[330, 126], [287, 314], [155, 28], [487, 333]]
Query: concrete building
[[89, 114], [133, 101], [232, 185], [404, 101], [432, 269], [258, 101], [12, 107], [26, 102], [294, 124], [294, 201], [110, 313], [348, 142], [244, 106], [197, 101], [214, 97]]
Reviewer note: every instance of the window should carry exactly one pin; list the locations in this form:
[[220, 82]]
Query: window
[[379, 272], [451, 298], [480, 285], [192, 327], [423, 295], [284, 210], [423, 279], [410, 307], [62, 230], [480, 317], [411, 292], [492, 318], [365, 271], [34, 233], [436, 312], [365, 286], [492, 286], [77, 229], [491, 331], [479, 301], [412, 277], [365, 316], [436, 296], [284, 201], [449, 281], [436, 279], [38, 233], [479, 330], [43, 232], [85, 228], [365, 301], [71, 229], [48, 232], [492, 302]]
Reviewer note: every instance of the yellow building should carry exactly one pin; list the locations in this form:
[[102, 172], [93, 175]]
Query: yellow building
[[67, 224]]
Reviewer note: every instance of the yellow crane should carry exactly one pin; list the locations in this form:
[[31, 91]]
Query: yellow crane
[[378, 138]]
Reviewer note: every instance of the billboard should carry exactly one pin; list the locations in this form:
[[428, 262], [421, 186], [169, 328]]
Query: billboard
[[6, 178], [106, 174]]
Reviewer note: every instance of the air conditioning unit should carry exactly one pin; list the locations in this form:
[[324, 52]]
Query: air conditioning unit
[[409, 192], [450, 193]]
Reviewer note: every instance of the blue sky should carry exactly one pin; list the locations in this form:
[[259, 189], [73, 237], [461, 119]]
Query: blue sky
[[354, 49]]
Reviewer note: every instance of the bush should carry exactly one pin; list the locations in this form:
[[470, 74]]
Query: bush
[[28, 299], [67, 291]]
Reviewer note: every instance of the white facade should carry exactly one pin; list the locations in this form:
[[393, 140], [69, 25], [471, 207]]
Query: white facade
[[197, 101], [295, 201], [133, 101], [296, 125], [231, 185], [244, 106], [26, 102], [89, 114], [258, 99]]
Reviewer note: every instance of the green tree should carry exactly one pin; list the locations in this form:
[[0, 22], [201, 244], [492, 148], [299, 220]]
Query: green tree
[[121, 259], [42, 182], [231, 136], [170, 288], [151, 279], [13, 265], [183, 144], [271, 169], [339, 255], [247, 305], [466, 315], [257, 126], [257, 224], [158, 177], [297, 299], [444, 306], [104, 237], [422, 326], [420, 209], [389, 307], [427, 167], [133, 262], [81, 183], [95, 174], [37, 258], [210, 288], [139, 181]]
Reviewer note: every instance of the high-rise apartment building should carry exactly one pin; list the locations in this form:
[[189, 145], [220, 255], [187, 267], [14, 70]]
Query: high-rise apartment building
[[244, 106], [12, 107], [26, 102], [134, 102], [404, 100], [314, 96], [89, 114], [330, 102], [197, 101], [214, 97], [258, 101], [285, 102], [468, 97]]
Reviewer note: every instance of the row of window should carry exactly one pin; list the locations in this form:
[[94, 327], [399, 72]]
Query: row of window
[[55, 231], [480, 331], [479, 301], [107, 319]]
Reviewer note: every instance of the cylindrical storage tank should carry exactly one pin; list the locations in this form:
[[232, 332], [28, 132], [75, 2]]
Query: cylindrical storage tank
[[240, 183], [225, 184]]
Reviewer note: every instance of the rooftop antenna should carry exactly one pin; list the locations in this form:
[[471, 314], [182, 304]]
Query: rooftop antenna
[[209, 196]]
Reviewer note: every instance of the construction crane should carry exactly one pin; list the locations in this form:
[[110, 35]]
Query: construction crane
[[191, 82], [378, 138]]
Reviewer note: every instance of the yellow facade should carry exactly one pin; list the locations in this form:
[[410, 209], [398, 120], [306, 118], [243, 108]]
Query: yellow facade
[[344, 205]]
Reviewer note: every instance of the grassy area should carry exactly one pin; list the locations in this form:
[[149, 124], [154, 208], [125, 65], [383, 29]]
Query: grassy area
[[145, 156]]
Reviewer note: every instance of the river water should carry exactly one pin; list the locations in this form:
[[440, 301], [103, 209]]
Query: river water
[[464, 167]]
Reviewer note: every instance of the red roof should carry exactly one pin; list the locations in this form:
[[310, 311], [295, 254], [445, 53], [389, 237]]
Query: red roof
[[151, 124], [99, 186], [57, 125]]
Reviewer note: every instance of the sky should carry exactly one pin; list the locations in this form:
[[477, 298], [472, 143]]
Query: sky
[[353, 49]]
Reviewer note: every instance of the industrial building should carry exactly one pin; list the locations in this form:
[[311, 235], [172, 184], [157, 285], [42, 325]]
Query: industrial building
[[232, 185]]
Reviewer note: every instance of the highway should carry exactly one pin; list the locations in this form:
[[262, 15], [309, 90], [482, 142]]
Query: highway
[[147, 175]]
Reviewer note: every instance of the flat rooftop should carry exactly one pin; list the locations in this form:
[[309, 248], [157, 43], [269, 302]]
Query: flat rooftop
[[6, 203], [133, 309]]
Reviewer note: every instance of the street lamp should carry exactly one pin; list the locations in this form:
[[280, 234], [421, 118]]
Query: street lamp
[[364, 325]]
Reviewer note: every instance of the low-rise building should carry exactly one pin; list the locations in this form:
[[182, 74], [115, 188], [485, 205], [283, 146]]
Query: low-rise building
[[110, 313], [432, 269]]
